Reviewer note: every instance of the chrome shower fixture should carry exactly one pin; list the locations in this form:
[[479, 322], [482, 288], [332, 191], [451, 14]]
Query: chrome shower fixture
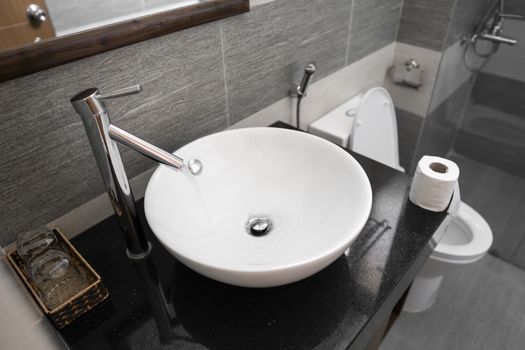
[[490, 27]]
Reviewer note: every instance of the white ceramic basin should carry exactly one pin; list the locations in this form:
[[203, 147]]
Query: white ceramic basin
[[316, 195]]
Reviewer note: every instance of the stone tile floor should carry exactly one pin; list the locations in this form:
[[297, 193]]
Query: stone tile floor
[[480, 307]]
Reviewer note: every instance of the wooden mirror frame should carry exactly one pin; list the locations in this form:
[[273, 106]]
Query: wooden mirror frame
[[31, 58]]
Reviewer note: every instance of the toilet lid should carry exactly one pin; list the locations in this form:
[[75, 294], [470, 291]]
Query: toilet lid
[[467, 239], [375, 129]]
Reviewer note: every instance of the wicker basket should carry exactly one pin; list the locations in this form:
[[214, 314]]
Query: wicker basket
[[77, 305]]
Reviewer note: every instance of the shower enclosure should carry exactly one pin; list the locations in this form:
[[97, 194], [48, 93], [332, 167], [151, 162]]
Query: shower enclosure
[[477, 118]]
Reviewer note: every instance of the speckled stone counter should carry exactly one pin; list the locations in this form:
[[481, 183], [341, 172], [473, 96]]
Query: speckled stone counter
[[340, 307]]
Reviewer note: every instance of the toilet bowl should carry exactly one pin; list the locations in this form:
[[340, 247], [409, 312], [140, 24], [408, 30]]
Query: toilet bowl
[[366, 124], [466, 240]]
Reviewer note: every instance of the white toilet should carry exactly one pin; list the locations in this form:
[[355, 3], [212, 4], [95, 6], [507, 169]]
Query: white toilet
[[366, 124], [466, 240]]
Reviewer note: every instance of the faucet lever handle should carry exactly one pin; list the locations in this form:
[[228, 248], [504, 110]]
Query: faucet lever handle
[[130, 90]]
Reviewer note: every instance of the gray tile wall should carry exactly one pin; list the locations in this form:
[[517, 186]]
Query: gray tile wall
[[515, 6], [441, 125], [494, 124], [264, 52], [425, 23], [408, 128], [196, 82], [374, 25], [47, 167], [508, 60], [436, 25], [466, 16], [501, 93]]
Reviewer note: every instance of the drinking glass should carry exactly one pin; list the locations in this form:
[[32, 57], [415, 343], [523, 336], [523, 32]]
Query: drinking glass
[[32, 243]]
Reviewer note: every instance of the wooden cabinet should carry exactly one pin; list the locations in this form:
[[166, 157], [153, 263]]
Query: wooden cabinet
[[15, 27]]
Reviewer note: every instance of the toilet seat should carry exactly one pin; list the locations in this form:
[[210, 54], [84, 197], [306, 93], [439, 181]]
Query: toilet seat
[[375, 128], [365, 124], [476, 230]]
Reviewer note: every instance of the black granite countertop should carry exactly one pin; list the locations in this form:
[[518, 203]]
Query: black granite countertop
[[337, 308]]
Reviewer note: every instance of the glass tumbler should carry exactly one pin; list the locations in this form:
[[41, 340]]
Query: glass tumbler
[[32, 243], [56, 276]]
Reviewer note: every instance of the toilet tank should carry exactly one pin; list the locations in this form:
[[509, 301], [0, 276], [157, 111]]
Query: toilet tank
[[365, 124], [337, 125]]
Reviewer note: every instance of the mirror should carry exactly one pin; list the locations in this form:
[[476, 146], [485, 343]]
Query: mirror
[[74, 16], [39, 34]]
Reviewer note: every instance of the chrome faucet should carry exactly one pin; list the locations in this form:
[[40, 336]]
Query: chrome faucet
[[491, 26], [102, 136], [495, 32]]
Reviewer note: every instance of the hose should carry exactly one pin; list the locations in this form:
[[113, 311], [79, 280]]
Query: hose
[[298, 113], [486, 55]]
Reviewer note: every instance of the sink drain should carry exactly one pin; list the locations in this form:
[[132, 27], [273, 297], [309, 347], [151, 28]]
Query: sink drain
[[259, 226]]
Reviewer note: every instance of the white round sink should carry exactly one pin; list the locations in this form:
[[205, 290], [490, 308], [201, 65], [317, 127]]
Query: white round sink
[[270, 207]]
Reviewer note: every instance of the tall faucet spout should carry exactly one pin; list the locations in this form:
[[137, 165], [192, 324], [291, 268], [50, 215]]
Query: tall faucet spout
[[103, 137], [146, 148]]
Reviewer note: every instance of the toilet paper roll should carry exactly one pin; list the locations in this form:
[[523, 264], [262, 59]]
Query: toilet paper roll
[[434, 183]]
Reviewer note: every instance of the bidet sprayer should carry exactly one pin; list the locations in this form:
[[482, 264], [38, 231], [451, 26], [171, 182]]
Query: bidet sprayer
[[300, 89]]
